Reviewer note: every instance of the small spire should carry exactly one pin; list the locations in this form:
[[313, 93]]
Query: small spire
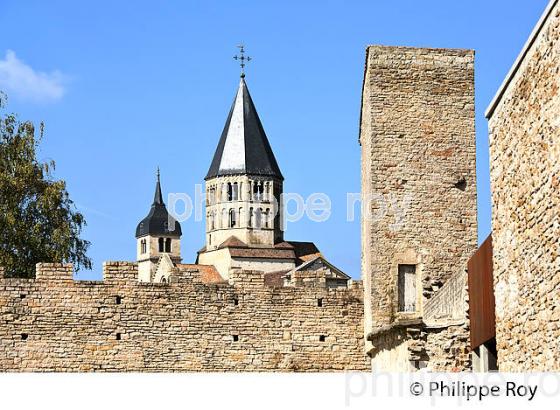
[[241, 58], [158, 198]]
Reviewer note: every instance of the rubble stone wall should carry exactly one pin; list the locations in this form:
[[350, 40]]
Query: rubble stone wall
[[524, 132]]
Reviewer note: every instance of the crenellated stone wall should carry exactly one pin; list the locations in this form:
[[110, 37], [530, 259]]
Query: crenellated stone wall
[[524, 132], [54, 323]]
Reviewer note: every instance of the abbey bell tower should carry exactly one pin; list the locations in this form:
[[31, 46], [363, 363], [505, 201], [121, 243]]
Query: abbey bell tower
[[243, 189], [244, 182]]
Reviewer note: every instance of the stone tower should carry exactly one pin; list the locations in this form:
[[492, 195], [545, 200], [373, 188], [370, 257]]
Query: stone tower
[[419, 219], [243, 188], [156, 235]]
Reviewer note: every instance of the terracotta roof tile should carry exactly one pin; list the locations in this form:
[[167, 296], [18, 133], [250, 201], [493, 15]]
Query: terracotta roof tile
[[275, 279], [208, 273], [305, 251]]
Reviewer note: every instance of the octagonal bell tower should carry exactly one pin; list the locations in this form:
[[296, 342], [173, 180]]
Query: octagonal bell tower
[[244, 182]]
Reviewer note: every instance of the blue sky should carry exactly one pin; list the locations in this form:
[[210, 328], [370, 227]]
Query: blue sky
[[126, 86]]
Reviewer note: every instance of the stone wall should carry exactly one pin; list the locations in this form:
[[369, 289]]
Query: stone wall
[[418, 173], [524, 128], [53, 323]]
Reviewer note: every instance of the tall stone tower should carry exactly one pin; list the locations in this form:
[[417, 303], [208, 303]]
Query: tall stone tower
[[243, 188], [419, 219], [156, 235]]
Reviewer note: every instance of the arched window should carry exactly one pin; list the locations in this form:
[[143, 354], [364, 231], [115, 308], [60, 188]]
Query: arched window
[[251, 218], [257, 191], [258, 218], [168, 245], [235, 192], [160, 245], [212, 220], [229, 191], [232, 218], [163, 280], [143, 246], [267, 219]]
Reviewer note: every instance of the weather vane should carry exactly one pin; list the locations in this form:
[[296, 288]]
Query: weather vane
[[241, 58]]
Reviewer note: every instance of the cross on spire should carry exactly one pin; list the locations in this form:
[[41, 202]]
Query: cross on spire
[[241, 58]]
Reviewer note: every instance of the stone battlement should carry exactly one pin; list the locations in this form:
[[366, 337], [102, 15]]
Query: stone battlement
[[55, 323]]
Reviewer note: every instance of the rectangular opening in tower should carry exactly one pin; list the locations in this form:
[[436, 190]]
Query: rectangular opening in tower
[[407, 288]]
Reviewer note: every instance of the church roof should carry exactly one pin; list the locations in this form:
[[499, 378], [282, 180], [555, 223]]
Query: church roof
[[208, 273], [305, 251], [158, 221], [243, 147], [233, 242], [320, 262]]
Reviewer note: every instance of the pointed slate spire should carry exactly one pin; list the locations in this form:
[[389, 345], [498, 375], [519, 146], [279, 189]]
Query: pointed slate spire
[[243, 147], [158, 222], [158, 199]]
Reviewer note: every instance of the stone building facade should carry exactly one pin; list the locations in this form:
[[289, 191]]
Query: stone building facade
[[196, 321], [419, 223], [524, 132]]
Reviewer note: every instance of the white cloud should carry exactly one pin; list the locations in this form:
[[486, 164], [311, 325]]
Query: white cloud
[[21, 81]]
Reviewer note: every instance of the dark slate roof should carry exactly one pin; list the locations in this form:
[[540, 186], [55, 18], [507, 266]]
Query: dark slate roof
[[243, 147], [158, 220]]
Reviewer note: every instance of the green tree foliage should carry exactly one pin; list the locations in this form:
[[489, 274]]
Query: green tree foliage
[[38, 221]]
